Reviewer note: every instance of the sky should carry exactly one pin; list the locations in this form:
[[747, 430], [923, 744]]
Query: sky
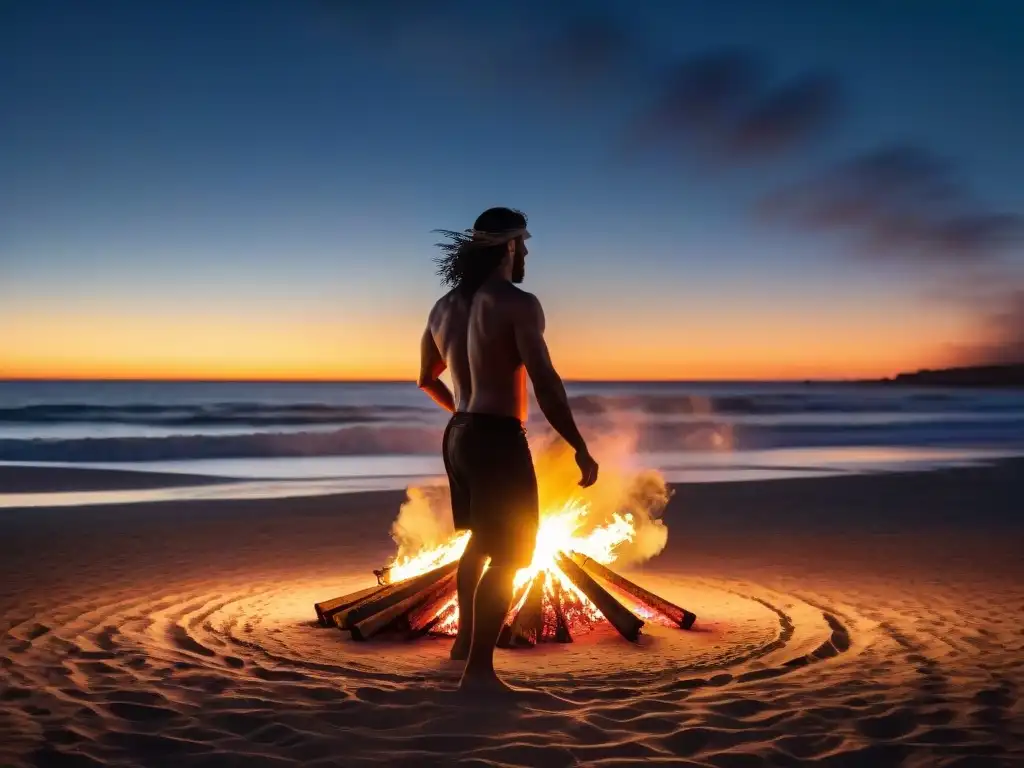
[[731, 190]]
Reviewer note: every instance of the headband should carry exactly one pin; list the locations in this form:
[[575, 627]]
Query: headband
[[482, 238]]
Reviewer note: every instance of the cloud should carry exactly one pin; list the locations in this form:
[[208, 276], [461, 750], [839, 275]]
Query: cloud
[[525, 47], [721, 102], [790, 116], [588, 50], [899, 202], [1002, 332], [718, 103]]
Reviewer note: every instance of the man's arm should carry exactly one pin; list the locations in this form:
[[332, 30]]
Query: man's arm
[[432, 365], [547, 384]]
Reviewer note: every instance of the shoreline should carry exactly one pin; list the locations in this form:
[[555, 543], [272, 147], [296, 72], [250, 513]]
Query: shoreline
[[36, 478], [34, 485], [901, 499]]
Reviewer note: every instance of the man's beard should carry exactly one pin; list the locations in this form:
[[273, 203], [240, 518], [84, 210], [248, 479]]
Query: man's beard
[[518, 269]]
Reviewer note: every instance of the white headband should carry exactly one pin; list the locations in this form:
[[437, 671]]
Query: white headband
[[480, 237]]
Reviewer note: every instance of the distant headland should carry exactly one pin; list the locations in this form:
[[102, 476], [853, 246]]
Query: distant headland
[[972, 376]]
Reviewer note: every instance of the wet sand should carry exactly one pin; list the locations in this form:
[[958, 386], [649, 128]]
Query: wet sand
[[865, 620], [41, 479]]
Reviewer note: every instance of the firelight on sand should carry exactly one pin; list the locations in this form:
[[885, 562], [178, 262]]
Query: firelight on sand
[[567, 587]]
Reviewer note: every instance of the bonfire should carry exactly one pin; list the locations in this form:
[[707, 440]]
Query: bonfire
[[567, 589]]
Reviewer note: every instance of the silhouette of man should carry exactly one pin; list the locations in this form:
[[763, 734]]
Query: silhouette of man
[[490, 335]]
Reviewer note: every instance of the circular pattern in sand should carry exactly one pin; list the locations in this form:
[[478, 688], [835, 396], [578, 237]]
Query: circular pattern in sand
[[267, 631]]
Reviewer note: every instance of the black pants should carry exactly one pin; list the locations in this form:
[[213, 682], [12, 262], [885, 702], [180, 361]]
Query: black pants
[[493, 485]]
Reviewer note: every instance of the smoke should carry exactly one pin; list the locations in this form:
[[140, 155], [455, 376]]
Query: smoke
[[621, 488], [425, 519]]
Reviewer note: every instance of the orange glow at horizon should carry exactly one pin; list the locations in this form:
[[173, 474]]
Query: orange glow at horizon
[[273, 347]]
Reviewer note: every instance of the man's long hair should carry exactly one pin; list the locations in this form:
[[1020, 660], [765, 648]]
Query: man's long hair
[[464, 264]]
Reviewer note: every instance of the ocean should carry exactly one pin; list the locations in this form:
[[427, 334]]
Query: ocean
[[334, 436]]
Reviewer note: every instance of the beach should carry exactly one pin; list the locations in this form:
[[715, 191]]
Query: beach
[[868, 619]]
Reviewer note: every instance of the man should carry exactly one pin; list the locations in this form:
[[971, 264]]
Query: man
[[490, 335]]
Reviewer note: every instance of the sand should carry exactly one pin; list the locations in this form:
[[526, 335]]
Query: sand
[[867, 621], [37, 479]]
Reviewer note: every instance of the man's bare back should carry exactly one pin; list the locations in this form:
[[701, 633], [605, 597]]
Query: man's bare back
[[496, 365], [489, 344], [447, 327], [476, 339]]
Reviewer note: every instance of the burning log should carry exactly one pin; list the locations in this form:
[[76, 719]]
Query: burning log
[[680, 616], [423, 619], [505, 637], [566, 596], [624, 620], [385, 617], [526, 628], [562, 633], [325, 611], [391, 595]]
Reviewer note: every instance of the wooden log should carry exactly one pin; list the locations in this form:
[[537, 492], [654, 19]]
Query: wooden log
[[390, 595], [505, 636], [527, 621], [620, 617], [562, 633], [423, 619], [327, 609], [379, 620], [340, 618], [680, 616]]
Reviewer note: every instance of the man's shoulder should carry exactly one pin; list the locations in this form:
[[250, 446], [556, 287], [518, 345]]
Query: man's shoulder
[[444, 304], [519, 297], [521, 305], [529, 303]]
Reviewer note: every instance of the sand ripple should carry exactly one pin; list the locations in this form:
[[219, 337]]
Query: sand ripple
[[215, 673]]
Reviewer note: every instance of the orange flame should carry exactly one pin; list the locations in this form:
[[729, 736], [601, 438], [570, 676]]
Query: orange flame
[[600, 522]]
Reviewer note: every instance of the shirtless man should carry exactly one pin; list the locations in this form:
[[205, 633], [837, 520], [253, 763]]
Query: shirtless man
[[490, 335]]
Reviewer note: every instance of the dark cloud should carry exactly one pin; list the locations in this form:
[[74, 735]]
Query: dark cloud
[[539, 48], [901, 202], [708, 91], [722, 102], [718, 104], [588, 50], [1001, 332], [562, 62], [1006, 328], [789, 116]]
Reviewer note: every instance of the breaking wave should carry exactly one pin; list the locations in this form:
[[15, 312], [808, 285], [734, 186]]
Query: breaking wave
[[210, 414], [350, 441], [119, 422], [255, 413], [783, 403], [391, 439]]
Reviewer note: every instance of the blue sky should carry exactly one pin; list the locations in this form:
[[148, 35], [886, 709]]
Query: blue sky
[[177, 165]]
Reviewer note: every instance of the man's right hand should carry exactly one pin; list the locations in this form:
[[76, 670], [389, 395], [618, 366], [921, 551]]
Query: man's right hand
[[588, 468]]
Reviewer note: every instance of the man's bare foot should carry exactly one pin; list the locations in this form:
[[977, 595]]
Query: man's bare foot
[[460, 649], [489, 685]]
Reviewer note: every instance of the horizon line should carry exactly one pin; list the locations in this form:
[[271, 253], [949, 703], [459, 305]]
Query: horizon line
[[412, 381]]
